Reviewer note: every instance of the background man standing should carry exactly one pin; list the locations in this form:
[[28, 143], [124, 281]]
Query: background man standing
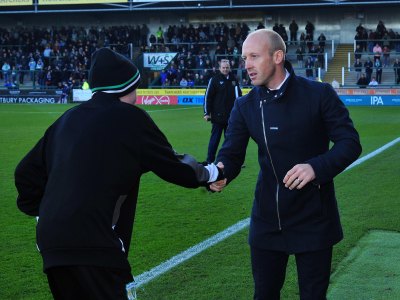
[[293, 28], [222, 90], [292, 120]]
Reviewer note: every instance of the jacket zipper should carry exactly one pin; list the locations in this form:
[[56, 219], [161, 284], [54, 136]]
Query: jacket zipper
[[273, 167]]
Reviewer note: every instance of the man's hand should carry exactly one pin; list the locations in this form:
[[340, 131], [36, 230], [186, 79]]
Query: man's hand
[[218, 186], [298, 176], [207, 118]]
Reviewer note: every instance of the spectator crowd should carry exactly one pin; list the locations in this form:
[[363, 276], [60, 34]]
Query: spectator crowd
[[57, 57], [380, 44]]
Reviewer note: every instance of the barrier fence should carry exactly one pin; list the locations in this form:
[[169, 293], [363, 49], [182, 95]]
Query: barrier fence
[[351, 97]]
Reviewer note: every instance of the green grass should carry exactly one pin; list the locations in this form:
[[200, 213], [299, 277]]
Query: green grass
[[374, 255], [171, 219]]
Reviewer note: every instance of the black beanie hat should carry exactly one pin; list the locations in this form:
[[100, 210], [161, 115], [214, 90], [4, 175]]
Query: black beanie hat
[[112, 73]]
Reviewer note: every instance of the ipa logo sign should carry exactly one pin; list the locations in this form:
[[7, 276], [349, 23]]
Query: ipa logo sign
[[376, 100]]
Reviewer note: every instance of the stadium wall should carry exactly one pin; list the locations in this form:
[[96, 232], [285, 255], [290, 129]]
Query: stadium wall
[[351, 97]]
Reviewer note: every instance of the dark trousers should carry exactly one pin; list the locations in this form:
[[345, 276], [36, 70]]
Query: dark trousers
[[216, 133], [293, 36], [368, 75], [379, 76], [269, 270], [87, 282]]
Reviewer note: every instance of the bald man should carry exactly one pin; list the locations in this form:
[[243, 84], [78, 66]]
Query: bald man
[[292, 120], [221, 93]]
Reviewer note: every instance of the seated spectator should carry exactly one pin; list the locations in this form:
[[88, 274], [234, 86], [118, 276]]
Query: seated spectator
[[6, 70], [369, 66], [183, 83], [163, 77], [160, 35], [300, 57], [377, 51], [202, 81], [245, 83], [357, 52], [321, 40], [8, 84], [357, 39], [378, 68], [386, 56], [362, 82], [396, 68], [381, 28], [386, 40], [152, 39], [373, 82], [190, 83], [65, 91], [335, 84], [358, 67], [309, 68], [303, 41], [46, 55], [85, 84]]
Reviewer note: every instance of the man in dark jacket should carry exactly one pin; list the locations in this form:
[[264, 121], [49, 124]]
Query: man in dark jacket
[[82, 181], [292, 120], [222, 90], [362, 82], [368, 65], [293, 28]]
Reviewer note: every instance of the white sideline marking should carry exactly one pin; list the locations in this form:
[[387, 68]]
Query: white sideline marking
[[373, 153], [174, 261], [192, 251]]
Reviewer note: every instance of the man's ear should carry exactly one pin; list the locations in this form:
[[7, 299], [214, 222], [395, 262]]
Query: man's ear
[[279, 57]]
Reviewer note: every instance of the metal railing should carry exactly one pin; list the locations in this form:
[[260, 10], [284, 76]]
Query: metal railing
[[391, 57], [370, 43]]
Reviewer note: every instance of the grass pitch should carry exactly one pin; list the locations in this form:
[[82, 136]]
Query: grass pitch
[[375, 254], [170, 219]]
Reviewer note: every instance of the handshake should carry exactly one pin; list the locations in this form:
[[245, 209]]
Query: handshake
[[217, 179]]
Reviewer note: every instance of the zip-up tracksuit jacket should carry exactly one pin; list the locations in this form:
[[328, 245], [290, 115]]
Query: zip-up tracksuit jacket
[[294, 127], [220, 96], [82, 180]]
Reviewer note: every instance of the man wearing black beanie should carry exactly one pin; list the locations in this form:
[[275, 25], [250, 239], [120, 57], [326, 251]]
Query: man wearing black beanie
[[82, 180]]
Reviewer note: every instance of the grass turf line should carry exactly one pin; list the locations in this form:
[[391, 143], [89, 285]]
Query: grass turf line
[[371, 270]]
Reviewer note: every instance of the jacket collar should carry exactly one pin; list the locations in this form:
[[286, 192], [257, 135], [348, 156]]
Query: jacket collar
[[104, 98], [273, 95]]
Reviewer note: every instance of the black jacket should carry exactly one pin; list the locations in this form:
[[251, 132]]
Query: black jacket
[[82, 180], [219, 98], [294, 127]]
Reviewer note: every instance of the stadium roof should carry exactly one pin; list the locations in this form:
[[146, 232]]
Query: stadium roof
[[49, 6]]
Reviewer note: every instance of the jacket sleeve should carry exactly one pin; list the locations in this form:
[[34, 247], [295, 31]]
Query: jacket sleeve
[[159, 157], [233, 150], [346, 142], [209, 97], [31, 179]]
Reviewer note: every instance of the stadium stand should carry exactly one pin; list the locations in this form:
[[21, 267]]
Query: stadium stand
[[62, 55], [66, 48]]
